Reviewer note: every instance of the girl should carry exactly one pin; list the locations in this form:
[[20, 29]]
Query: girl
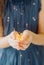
[[22, 15]]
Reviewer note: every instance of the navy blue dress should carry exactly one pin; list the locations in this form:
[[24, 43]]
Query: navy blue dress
[[21, 15]]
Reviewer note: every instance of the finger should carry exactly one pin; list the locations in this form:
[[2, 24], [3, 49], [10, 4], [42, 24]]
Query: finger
[[21, 46], [16, 46], [25, 46]]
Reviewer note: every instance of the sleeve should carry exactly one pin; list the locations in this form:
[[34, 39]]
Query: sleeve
[[39, 5]]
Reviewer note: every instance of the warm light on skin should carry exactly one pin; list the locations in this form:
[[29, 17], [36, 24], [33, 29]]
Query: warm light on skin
[[18, 36], [21, 37]]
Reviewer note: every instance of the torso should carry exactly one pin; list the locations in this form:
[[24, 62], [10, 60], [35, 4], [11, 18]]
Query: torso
[[40, 22], [21, 15]]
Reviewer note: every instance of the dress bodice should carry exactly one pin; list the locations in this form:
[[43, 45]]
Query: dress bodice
[[21, 15]]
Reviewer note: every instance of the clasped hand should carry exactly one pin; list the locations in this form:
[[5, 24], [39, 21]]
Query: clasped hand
[[20, 41]]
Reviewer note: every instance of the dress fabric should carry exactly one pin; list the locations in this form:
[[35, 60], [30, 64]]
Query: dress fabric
[[21, 15]]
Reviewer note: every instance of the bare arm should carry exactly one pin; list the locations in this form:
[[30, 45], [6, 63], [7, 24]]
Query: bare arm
[[9, 40], [4, 42], [38, 39], [1, 27]]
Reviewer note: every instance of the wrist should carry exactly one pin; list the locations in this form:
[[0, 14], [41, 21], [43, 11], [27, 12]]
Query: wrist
[[7, 40], [33, 37]]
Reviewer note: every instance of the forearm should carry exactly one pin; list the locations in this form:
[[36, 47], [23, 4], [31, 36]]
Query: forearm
[[4, 42], [38, 39]]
